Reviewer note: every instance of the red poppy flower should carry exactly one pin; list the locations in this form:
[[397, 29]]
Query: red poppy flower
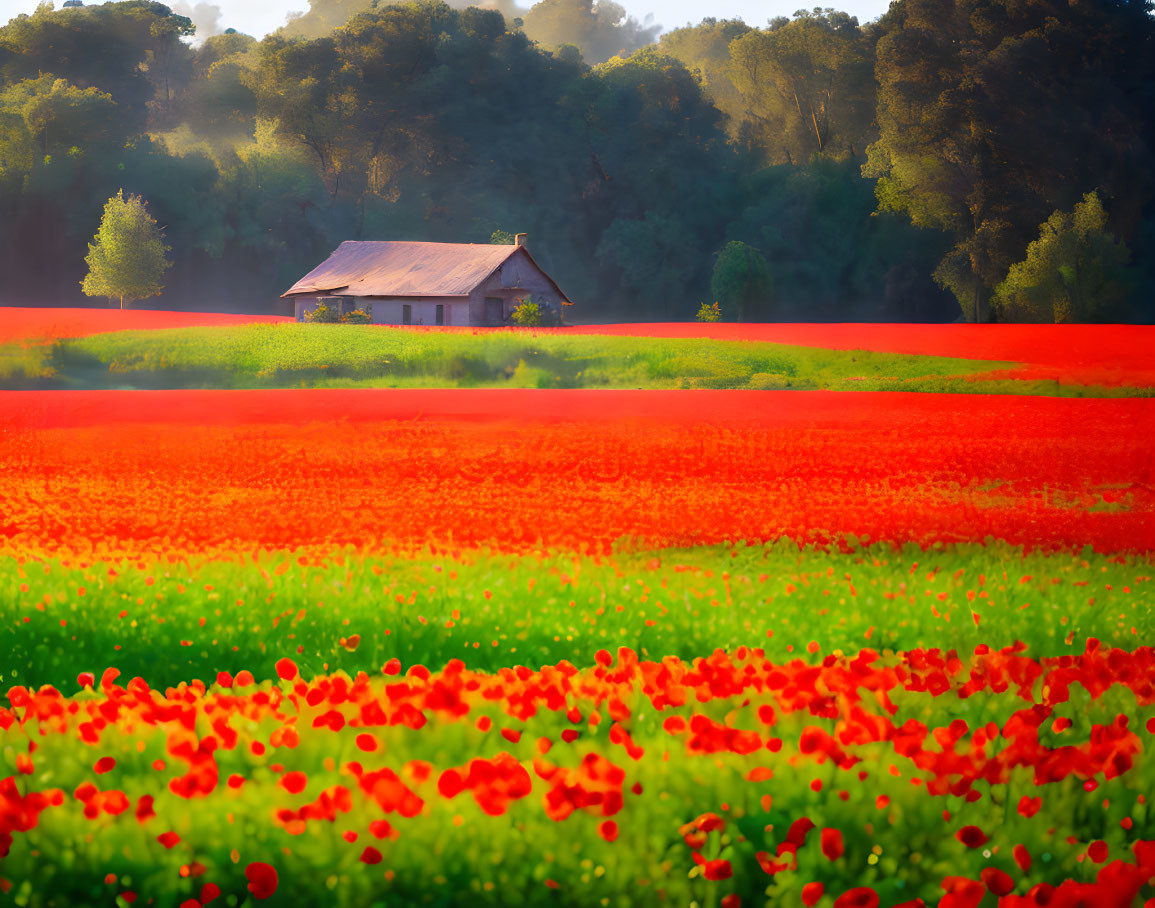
[[859, 897], [262, 879], [972, 837], [832, 846], [997, 881], [717, 870], [294, 782], [286, 669]]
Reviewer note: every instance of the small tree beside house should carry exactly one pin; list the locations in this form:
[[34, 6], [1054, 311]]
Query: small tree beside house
[[126, 259]]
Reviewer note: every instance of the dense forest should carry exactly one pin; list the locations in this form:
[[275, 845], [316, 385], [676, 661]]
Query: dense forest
[[978, 159]]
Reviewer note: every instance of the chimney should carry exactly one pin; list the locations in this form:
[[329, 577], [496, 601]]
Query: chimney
[[521, 238]]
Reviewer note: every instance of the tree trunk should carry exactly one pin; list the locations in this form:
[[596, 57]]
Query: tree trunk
[[797, 103], [817, 131]]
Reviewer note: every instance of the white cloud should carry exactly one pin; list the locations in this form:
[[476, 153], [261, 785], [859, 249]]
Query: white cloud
[[205, 16]]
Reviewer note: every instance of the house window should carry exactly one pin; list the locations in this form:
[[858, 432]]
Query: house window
[[406, 314], [440, 314]]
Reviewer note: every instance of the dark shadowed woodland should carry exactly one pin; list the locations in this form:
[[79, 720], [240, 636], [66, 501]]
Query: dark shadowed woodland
[[956, 159]]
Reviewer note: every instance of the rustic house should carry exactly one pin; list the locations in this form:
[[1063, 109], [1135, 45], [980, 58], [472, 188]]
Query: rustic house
[[401, 283]]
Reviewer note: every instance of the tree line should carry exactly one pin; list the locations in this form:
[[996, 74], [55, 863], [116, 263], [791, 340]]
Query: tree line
[[983, 159]]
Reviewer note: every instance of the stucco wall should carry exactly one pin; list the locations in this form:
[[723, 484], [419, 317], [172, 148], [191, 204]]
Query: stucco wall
[[423, 310], [389, 311], [516, 279]]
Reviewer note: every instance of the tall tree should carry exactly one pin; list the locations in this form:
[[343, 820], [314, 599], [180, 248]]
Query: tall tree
[[705, 50], [356, 101], [833, 261], [742, 282], [59, 117], [806, 86], [1076, 271], [128, 49], [993, 113], [127, 257], [650, 127], [219, 100]]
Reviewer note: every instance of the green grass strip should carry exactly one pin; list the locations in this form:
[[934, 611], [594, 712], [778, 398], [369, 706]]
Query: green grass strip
[[495, 611], [291, 356]]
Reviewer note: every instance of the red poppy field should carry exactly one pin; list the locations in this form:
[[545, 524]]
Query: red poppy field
[[1103, 355], [577, 648], [29, 324], [109, 472]]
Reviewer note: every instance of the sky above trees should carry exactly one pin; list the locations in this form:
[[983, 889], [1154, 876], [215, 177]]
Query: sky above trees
[[259, 18]]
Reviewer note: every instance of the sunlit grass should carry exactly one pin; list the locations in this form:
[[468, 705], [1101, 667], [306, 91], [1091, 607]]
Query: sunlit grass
[[255, 356], [171, 621]]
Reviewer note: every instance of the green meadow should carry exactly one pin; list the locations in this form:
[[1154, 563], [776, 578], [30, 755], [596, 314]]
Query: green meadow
[[173, 621], [345, 356]]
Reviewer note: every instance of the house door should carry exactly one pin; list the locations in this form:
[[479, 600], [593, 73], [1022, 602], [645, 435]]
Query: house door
[[440, 314], [494, 311], [406, 314]]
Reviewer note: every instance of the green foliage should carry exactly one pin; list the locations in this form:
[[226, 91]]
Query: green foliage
[[704, 49], [259, 157], [986, 118], [322, 314], [218, 99], [806, 87], [742, 282], [127, 258], [356, 317], [131, 50], [832, 259], [57, 116], [24, 365], [1076, 271], [527, 314], [502, 238], [709, 312], [651, 253]]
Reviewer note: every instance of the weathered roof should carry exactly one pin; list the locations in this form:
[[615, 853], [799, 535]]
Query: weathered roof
[[388, 268]]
